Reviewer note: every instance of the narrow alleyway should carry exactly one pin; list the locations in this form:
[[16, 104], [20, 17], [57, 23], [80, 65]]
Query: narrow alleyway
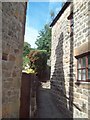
[[46, 107]]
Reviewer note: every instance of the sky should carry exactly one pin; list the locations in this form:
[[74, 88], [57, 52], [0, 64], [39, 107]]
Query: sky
[[37, 15]]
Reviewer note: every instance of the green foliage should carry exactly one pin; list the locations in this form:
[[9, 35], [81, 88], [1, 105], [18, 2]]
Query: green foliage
[[44, 40], [26, 49], [63, 4], [38, 59], [52, 14], [26, 61]]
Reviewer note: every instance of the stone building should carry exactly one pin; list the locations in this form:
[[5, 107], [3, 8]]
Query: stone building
[[70, 59], [13, 24]]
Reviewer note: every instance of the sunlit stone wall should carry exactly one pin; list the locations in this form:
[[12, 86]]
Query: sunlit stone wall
[[70, 97]]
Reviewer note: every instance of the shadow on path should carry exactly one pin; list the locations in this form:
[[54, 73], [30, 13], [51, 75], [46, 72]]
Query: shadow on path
[[45, 105]]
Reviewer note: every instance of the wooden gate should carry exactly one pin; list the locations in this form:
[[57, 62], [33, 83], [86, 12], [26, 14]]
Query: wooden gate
[[25, 95]]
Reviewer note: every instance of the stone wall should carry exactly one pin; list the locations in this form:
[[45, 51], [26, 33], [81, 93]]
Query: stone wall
[[13, 23], [70, 97], [0, 60]]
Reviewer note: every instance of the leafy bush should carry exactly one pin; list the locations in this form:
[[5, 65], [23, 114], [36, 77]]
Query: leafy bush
[[26, 49], [38, 60], [26, 62]]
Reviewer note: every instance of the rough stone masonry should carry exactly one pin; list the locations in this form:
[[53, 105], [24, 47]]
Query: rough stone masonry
[[70, 38], [13, 24]]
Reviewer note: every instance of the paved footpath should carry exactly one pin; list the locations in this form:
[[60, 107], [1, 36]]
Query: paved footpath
[[46, 107]]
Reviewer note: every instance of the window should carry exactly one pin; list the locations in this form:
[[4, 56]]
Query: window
[[70, 17], [83, 68]]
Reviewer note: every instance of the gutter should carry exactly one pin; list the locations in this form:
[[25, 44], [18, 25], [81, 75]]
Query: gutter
[[60, 13]]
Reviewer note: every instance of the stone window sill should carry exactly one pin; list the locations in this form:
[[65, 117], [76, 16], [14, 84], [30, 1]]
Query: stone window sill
[[81, 82]]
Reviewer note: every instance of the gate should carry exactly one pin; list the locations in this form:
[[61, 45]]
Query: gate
[[29, 85], [25, 95]]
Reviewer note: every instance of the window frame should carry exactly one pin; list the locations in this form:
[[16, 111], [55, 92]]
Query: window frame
[[86, 68]]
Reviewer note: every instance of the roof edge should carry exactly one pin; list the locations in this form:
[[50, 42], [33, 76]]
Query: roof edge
[[60, 13]]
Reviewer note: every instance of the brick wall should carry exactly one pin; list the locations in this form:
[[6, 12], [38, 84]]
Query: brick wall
[[13, 20], [71, 98]]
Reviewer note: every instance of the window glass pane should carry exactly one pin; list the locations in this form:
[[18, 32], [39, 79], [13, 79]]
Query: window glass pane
[[84, 74], [79, 63], [83, 62], [89, 74], [79, 74], [89, 61]]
